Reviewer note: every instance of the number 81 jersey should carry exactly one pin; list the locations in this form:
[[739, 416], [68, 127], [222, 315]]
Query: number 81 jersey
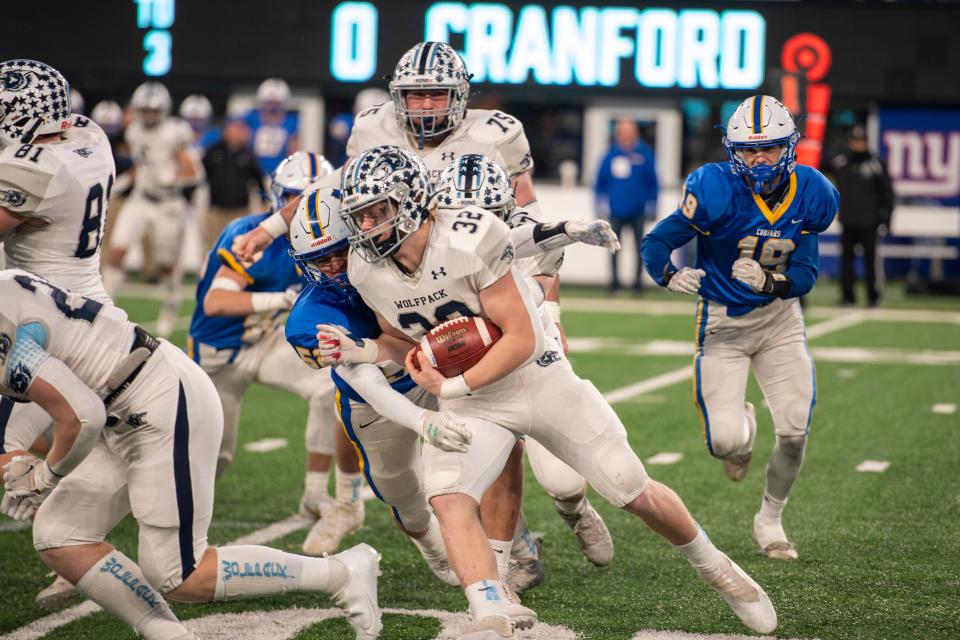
[[61, 189], [467, 251]]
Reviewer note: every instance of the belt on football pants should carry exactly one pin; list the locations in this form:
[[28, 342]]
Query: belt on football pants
[[126, 372]]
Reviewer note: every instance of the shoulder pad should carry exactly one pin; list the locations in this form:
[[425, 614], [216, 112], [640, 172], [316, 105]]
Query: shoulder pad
[[27, 175], [373, 127], [821, 199], [479, 239], [706, 196], [503, 131]]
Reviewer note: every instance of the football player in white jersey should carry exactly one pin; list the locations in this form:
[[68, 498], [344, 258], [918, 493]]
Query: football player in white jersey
[[476, 180], [137, 427], [163, 165], [416, 267]]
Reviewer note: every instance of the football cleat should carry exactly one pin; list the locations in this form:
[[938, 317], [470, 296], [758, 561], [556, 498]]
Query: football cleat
[[592, 534], [314, 506], [521, 617], [55, 595], [772, 539], [358, 596], [528, 573], [329, 531], [737, 465], [747, 599], [489, 628], [442, 570]]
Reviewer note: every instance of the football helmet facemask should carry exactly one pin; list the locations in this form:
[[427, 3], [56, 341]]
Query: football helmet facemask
[[294, 174], [475, 179], [762, 121], [317, 231], [384, 173], [34, 101], [430, 66]]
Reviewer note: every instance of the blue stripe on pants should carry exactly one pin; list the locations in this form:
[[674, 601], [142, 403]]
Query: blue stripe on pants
[[184, 486], [702, 317]]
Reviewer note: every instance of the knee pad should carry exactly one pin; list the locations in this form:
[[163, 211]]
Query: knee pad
[[404, 493], [557, 478], [617, 474], [792, 446], [727, 434]]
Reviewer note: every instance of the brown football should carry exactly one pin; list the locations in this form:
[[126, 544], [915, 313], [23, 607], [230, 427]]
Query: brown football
[[456, 345]]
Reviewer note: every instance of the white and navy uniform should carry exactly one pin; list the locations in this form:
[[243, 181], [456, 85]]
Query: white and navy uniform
[[63, 189], [467, 252], [553, 474], [491, 133], [238, 350], [156, 455], [156, 203]]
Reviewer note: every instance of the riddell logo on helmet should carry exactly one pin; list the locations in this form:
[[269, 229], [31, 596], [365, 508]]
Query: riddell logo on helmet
[[320, 241], [758, 136], [64, 125]]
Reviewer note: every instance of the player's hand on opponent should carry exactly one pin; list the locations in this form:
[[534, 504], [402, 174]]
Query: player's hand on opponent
[[445, 430], [290, 295], [27, 481], [750, 273], [593, 232], [686, 280], [337, 347], [248, 245]]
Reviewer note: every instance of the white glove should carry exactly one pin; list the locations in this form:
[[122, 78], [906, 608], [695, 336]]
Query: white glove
[[593, 232], [290, 296], [686, 280], [337, 347], [27, 480], [19, 509], [750, 273], [445, 431]]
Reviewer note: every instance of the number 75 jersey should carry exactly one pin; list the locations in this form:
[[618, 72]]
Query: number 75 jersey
[[732, 222], [62, 190]]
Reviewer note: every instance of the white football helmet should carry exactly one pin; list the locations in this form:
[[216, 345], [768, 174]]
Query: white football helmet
[[318, 231], [273, 90], [294, 174], [762, 121], [34, 101], [475, 179], [77, 103], [430, 66], [109, 115], [384, 173], [151, 103], [197, 110]]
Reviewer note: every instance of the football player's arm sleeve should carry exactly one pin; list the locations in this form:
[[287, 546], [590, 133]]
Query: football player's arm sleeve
[[368, 380], [671, 233], [78, 414]]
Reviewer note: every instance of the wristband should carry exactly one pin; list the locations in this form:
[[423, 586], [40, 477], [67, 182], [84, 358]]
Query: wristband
[[275, 225], [777, 284], [268, 301], [552, 310], [453, 388]]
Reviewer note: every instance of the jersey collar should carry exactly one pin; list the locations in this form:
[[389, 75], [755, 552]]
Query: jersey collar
[[785, 202]]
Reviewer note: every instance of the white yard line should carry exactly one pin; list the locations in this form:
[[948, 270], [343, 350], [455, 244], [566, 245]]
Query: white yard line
[[685, 373], [42, 626]]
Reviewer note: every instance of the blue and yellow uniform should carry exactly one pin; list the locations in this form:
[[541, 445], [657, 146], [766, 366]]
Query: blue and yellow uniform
[[730, 222], [273, 270], [271, 142]]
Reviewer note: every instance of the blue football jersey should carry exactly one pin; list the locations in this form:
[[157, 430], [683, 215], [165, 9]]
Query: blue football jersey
[[314, 307], [274, 270], [731, 222], [269, 141]]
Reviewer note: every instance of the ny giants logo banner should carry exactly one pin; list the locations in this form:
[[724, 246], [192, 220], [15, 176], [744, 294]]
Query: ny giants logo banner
[[922, 150]]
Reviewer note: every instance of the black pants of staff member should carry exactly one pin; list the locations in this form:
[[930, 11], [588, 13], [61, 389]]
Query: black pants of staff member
[[637, 225], [865, 237]]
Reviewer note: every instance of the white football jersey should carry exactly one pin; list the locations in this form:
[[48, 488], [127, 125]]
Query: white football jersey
[[491, 133], [40, 320], [467, 252], [62, 189], [155, 153]]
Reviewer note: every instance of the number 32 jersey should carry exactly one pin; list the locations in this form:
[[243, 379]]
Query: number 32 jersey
[[467, 252], [62, 190]]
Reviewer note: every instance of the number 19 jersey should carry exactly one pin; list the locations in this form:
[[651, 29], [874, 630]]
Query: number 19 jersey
[[62, 190]]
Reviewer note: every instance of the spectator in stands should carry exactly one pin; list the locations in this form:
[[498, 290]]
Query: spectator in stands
[[626, 190], [866, 206], [232, 174]]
